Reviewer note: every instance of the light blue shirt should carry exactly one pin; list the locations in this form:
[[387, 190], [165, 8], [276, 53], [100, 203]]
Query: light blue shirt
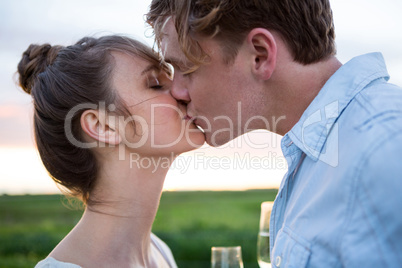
[[340, 204]]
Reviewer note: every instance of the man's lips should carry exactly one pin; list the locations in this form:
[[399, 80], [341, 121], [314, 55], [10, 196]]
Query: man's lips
[[193, 120]]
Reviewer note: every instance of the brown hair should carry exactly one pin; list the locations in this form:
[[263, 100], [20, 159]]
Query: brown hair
[[306, 25], [61, 78]]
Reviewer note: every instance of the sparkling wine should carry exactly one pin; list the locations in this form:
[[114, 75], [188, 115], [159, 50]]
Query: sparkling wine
[[263, 257]]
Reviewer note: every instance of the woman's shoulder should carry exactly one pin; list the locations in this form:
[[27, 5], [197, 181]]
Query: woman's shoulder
[[50, 262]]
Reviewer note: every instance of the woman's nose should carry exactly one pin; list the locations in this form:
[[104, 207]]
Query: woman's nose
[[179, 90]]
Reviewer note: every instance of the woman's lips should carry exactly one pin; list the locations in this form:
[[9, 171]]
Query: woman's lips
[[187, 117]]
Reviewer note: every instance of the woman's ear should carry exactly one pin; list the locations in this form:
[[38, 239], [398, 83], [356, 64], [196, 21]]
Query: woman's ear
[[97, 125], [263, 49]]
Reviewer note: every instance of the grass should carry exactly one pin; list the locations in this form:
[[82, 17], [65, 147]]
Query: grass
[[189, 222]]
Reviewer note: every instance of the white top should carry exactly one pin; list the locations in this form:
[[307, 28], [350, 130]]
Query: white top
[[50, 262]]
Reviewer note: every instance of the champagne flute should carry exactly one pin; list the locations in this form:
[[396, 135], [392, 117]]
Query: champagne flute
[[226, 257], [263, 258]]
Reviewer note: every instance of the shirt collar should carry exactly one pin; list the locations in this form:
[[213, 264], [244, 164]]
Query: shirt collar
[[313, 128]]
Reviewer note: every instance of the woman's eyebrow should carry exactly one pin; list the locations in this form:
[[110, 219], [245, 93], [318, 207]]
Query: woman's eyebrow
[[149, 68]]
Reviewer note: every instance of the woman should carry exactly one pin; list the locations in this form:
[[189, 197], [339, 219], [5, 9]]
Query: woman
[[107, 129]]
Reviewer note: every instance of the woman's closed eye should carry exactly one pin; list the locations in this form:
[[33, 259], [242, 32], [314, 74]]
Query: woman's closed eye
[[157, 87], [153, 83]]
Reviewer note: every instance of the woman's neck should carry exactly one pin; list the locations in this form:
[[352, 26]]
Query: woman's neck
[[116, 225]]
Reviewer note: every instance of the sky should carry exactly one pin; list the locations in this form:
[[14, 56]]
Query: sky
[[361, 26]]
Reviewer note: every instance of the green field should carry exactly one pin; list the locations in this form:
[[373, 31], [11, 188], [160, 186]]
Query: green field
[[189, 222]]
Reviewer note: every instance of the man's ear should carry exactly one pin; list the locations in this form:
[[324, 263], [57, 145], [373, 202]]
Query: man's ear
[[264, 51], [97, 125]]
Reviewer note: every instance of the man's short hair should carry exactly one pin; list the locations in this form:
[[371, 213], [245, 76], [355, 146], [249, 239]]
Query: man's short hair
[[305, 25]]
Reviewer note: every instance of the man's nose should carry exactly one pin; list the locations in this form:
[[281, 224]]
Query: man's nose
[[179, 89]]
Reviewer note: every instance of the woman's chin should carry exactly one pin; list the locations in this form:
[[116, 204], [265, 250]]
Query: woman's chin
[[192, 143], [197, 141]]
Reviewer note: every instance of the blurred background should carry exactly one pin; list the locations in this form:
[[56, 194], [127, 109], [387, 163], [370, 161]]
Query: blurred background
[[190, 222], [361, 25]]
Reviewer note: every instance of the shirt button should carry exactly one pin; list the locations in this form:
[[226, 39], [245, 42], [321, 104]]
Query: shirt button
[[278, 261]]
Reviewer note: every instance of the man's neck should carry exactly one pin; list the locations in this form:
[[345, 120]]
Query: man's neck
[[299, 85]]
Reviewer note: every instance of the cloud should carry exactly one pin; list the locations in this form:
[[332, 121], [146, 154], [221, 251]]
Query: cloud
[[15, 125]]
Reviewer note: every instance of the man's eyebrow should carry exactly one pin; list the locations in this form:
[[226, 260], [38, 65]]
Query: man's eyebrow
[[149, 68]]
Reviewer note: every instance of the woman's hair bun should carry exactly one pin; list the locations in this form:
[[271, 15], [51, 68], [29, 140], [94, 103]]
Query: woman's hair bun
[[34, 61]]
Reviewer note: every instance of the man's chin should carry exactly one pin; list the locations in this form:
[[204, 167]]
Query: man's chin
[[218, 139]]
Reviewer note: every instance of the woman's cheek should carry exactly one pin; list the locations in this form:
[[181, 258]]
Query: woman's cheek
[[168, 115]]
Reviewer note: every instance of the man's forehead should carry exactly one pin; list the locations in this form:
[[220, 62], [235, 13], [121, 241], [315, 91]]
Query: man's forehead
[[171, 50], [165, 30], [168, 32], [170, 47]]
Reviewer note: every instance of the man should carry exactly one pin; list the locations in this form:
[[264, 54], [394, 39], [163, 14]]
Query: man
[[274, 60]]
